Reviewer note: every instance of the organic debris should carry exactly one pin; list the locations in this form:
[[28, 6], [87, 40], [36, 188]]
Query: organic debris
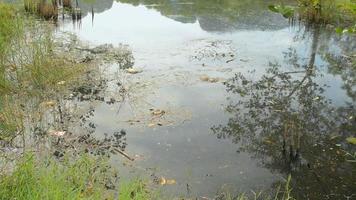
[[351, 140], [157, 112], [57, 133], [133, 71], [49, 103], [164, 181], [206, 78]]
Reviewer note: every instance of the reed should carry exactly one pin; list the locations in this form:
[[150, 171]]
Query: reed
[[47, 10]]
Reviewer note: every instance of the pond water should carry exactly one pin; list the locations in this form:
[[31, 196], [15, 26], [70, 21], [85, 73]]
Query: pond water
[[244, 135]]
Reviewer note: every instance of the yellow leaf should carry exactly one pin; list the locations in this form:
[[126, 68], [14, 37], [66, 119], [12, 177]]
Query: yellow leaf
[[57, 133], [50, 103], [351, 140], [164, 181]]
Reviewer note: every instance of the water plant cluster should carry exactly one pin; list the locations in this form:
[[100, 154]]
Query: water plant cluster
[[339, 13]]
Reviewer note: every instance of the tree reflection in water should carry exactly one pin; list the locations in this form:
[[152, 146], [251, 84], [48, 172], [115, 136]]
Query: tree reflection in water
[[285, 121]]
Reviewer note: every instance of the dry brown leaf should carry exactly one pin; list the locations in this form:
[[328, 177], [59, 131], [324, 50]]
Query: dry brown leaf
[[158, 112], [49, 103], [133, 71], [164, 181], [57, 133]]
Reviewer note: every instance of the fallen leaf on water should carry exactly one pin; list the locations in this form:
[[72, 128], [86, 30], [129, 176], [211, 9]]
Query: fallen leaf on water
[[351, 140], [61, 83], [57, 133], [133, 71], [139, 157], [158, 112], [213, 80], [206, 78], [164, 181], [316, 98], [151, 125], [268, 141], [50, 103]]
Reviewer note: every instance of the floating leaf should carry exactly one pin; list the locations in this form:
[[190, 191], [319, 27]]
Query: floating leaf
[[133, 71], [61, 83], [50, 103], [206, 78], [158, 112], [57, 133], [164, 181], [351, 140], [151, 125]]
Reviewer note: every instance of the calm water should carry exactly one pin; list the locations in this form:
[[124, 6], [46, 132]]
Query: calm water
[[240, 135]]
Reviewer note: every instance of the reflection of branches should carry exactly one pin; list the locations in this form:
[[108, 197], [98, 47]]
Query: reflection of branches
[[287, 124]]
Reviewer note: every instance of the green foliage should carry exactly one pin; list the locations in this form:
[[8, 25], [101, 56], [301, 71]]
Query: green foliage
[[349, 30], [285, 11], [29, 68], [282, 192], [351, 140], [83, 178], [33, 180], [135, 190], [336, 12]]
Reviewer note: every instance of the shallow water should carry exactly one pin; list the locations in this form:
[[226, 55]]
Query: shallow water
[[199, 141]]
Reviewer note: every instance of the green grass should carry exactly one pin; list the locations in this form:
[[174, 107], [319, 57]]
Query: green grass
[[328, 11], [30, 71], [49, 179], [136, 190], [282, 192], [341, 13], [32, 180]]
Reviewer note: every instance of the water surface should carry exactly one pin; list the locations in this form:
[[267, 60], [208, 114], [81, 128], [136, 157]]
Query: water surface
[[212, 135]]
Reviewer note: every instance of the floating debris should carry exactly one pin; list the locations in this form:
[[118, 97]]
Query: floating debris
[[206, 78], [133, 71], [61, 83], [164, 181], [151, 125], [244, 60], [351, 140], [157, 112], [49, 103], [57, 133]]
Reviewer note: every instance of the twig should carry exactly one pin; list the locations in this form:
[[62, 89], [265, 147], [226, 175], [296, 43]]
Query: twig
[[124, 154]]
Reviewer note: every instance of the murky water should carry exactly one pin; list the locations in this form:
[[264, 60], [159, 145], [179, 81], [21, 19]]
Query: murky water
[[244, 135]]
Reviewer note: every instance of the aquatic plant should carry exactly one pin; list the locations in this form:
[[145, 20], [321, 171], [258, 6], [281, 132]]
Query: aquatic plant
[[67, 3], [46, 9], [339, 12], [29, 68]]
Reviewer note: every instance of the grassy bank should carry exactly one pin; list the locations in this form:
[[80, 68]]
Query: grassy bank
[[84, 178], [339, 13], [30, 71], [92, 178], [32, 74]]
